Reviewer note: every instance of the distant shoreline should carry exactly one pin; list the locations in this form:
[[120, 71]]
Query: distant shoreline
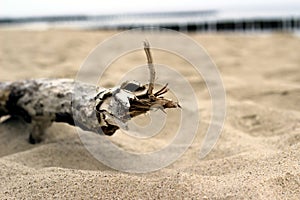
[[188, 21]]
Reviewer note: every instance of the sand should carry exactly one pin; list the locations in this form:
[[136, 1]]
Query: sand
[[256, 157]]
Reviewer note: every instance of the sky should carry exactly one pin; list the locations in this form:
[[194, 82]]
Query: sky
[[22, 8]]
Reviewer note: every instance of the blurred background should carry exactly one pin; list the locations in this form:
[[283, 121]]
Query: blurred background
[[188, 15]]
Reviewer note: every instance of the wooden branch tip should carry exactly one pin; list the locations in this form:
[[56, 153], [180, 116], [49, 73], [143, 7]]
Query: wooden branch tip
[[150, 67]]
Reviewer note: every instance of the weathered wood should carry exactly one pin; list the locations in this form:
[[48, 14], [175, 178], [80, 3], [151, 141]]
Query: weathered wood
[[43, 101]]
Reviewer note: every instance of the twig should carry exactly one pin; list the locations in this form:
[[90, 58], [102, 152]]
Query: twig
[[151, 68]]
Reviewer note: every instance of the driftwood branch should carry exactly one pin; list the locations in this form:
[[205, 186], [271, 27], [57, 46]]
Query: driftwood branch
[[43, 101]]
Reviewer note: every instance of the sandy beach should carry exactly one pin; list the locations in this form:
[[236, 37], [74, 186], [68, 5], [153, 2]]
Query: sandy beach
[[256, 157]]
